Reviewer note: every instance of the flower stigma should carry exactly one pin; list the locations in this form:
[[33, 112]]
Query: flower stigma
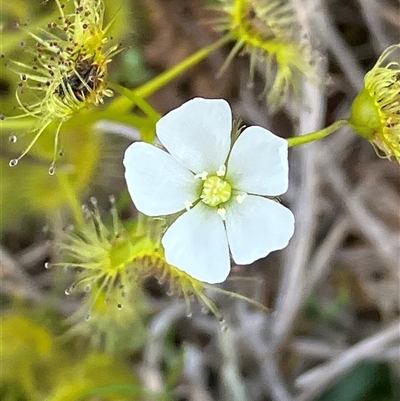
[[215, 191]]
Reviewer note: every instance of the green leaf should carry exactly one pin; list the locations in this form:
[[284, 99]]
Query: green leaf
[[356, 385]]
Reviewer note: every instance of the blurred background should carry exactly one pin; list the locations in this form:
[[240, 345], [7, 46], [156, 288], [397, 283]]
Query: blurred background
[[334, 294]]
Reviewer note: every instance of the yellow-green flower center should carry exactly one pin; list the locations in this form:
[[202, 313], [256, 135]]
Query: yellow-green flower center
[[215, 191]]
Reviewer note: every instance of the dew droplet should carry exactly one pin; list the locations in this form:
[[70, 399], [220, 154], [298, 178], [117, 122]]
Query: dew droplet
[[61, 152], [223, 325], [12, 139], [87, 317], [47, 265], [2, 117], [13, 162], [204, 310], [52, 170], [120, 306]]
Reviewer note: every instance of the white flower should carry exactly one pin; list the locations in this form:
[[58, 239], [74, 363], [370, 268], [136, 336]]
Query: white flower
[[221, 188]]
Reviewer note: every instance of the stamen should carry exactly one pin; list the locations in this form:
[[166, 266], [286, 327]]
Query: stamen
[[188, 205], [222, 213], [240, 198], [203, 176], [221, 171]]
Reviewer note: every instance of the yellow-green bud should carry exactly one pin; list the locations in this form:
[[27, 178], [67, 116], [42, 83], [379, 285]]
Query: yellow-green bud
[[375, 113], [121, 254], [365, 119]]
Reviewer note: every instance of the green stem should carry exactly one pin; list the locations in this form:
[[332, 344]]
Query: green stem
[[138, 100], [317, 135], [17, 123], [164, 78], [123, 104]]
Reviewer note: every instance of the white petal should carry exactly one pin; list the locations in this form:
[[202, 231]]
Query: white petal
[[258, 163], [198, 133], [196, 243], [257, 227], [157, 183]]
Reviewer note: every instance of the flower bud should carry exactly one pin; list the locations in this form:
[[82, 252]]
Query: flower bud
[[375, 112]]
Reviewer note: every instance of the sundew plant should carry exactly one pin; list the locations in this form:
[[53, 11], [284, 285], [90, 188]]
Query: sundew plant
[[188, 191]]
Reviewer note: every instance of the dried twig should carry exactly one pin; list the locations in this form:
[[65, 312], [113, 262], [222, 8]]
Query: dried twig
[[234, 385], [313, 349], [378, 235], [292, 287], [153, 353], [14, 280], [315, 381], [339, 48], [370, 10]]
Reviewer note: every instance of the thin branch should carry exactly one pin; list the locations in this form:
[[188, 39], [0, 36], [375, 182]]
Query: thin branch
[[370, 11], [339, 48], [234, 385], [298, 253], [15, 281], [376, 233], [123, 130], [154, 350], [313, 349], [316, 380]]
